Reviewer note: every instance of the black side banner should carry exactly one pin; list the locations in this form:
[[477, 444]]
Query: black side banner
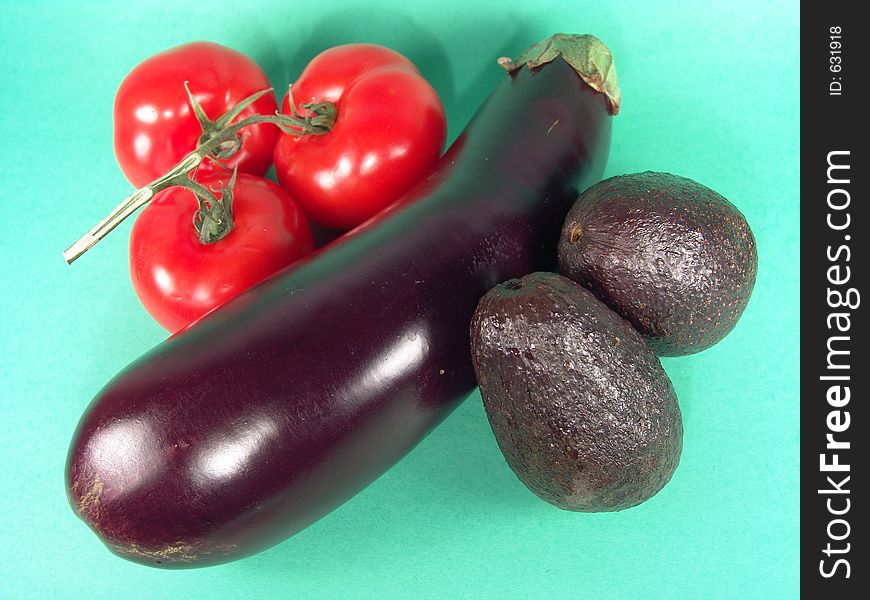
[[835, 348]]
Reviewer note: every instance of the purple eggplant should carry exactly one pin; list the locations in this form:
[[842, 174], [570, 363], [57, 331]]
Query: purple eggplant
[[279, 406]]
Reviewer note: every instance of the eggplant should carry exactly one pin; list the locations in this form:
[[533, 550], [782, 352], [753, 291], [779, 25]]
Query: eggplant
[[274, 409]]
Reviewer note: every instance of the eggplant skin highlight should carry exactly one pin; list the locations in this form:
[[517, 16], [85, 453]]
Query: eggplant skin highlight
[[274, 409]]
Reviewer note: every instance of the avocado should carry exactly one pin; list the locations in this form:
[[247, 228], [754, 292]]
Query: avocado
[[670, 255], [579, 405]]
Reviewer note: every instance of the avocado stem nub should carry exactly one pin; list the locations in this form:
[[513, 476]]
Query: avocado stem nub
[[575, 233]]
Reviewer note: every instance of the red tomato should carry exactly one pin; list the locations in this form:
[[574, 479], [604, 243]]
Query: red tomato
[[390, 130], [178, 279], [155, 125]]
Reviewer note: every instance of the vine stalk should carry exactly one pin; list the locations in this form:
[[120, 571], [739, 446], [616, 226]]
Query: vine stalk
[[220, 140]]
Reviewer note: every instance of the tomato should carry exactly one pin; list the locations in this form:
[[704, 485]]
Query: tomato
[[155, 125], [389, 131], [178, 278]]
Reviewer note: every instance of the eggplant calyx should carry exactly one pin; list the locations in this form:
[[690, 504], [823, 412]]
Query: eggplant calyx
[[586, 54]]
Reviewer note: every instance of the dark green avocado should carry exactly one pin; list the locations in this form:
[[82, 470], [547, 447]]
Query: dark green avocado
[[670, 255], [580, 406]]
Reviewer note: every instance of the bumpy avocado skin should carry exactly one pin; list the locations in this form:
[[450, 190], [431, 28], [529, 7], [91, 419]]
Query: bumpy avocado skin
[[580, 406], [670, 255]]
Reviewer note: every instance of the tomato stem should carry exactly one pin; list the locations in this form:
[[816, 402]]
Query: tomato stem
[[220, 140], [213, 220], [320, 116]]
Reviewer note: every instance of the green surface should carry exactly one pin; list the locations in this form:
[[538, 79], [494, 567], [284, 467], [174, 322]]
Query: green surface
[[711, 92]]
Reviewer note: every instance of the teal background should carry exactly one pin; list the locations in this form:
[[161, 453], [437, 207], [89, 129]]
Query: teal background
[[711, 92]]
